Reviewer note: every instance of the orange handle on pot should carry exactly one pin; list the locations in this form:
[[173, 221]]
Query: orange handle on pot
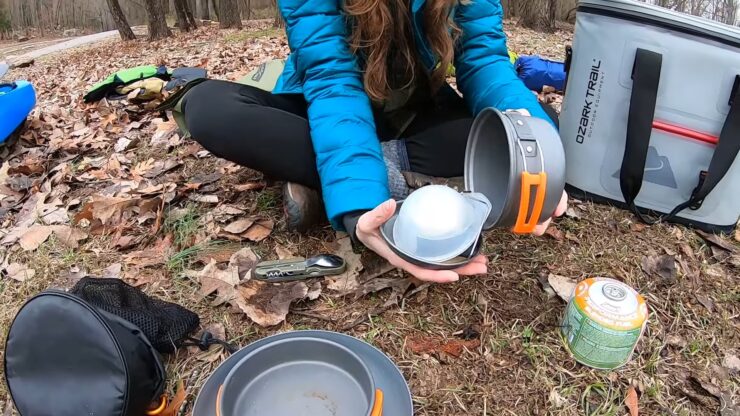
[[159, 409], [378, 405], [525, 224]]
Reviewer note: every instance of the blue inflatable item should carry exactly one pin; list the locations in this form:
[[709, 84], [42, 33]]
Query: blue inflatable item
[[536, 72], [17, 99]]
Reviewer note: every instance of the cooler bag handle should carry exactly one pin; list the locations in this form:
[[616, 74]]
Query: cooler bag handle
[[646, 79]]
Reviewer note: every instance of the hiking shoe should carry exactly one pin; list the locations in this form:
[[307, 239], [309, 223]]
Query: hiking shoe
[[303, 207]]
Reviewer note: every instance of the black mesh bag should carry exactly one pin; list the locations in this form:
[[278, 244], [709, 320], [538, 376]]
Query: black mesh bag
[[165, 324]]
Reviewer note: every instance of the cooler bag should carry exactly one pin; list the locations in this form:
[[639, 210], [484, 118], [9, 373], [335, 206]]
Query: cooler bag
[[651, 115]]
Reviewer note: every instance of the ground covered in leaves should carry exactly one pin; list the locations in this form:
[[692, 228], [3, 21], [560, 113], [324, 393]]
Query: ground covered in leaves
[[110, 190]]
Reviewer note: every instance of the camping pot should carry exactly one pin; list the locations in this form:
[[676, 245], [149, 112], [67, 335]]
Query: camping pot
[[518, 163], [300, 377]]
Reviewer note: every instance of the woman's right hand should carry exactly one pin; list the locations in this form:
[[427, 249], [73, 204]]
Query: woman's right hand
[[368, 232]]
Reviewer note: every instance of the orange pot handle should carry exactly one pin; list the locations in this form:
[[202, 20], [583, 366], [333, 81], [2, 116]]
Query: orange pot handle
[[160, 408], [218, 399], [525, 221], [378, 405]]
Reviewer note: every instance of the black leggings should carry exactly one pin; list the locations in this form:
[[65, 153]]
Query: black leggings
[[270, 132]]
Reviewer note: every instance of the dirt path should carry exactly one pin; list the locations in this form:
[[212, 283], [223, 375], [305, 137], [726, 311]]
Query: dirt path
[[35, 50]]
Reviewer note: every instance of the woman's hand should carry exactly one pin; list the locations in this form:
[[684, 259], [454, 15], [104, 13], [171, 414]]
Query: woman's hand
[[560, 210], [368, 232]]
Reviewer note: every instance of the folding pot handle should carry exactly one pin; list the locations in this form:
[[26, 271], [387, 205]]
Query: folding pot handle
[[159, 409], [378, 404], [219, 396], [526, 221]]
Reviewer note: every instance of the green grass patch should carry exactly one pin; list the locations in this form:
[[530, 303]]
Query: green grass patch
[[183, 226], [245, 35]]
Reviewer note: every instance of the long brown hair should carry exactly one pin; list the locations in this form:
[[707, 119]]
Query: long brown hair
[[382, 32]]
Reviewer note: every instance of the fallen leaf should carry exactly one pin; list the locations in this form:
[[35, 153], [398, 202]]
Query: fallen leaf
[[108, 210], [123, 144], [542, 278], [243, 261], [69, 236], [555, 233], [215, 280], [283, 253], [113, 271], [573, 212], [19, 272], [239, 226], [717, 241], [173, 408], [314, 292], [706, 301], [377, 284], [216, 329], [346, 282], [731, 362], [726, 405], [161, 167], [562, 285], [676, 341], [220, 253], [250, 186], [34, 237], [663, 266], [206, 199], [426, 345], [268, 304], [75, 274], [556, 399], [150, 256], [631, 401], [203, 179], [637, 227], [259, 230]]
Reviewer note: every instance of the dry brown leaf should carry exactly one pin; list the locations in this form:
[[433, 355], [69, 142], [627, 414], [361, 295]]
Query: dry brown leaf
[[676, 341], [737, 234], [283, 253], [562, 285], [555, 233], [75, 274], [220, 253], [19, 272], [243, 261], [215, 280], [249, 186], [663, 266], [150, 256], [206, 199], [637, 227], [259, 230], [717, 241], [34, 237], [113, 271], [69, 236], [631, 401], [346, 282], [427, 345], [239, 226], [706, 301], [108, 210], [268, 304], [731, 362]]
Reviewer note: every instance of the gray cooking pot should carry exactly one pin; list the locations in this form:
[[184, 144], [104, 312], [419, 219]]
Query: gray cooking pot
[[518, 163], [300, 377]]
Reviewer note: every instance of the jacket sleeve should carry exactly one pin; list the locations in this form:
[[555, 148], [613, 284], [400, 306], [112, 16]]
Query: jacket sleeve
[[348, 154], [485, 75]]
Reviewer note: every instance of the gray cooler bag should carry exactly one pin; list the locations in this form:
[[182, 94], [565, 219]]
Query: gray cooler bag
[[651, 115]]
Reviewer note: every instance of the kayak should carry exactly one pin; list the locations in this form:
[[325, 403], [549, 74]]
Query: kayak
[[17, 99]]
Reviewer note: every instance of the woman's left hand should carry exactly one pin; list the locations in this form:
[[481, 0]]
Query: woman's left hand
[[560, 210]]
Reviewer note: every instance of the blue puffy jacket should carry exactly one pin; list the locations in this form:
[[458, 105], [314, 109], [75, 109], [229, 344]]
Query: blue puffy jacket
[[323, 68]]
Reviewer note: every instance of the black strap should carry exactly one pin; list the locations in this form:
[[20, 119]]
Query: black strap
[[646, 79], [206, 340]]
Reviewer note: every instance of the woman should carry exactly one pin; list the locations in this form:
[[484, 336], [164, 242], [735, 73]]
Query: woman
[[363, 98]]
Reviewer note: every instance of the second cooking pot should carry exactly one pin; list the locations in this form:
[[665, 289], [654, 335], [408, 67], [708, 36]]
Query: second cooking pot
[[518, 163]]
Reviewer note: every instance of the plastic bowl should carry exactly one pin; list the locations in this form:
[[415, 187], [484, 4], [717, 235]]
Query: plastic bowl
[[436, 223]]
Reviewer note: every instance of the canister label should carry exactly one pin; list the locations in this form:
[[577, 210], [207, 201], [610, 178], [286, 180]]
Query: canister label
[[603, 322]]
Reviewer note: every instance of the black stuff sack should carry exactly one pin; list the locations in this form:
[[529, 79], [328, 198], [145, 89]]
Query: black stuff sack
[[65, 357]]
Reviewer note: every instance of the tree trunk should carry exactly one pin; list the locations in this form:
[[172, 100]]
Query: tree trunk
[[189, 14], [278, 21], [157, 23], [229, 14], [204, 13], [120, 19], [536, 14], [215, 9], [182, 18]]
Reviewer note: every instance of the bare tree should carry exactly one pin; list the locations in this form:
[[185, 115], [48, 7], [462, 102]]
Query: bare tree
[[278, 21], [229, 14], [157, 23], [183, 21], [537, 14], [120, 19], [189, 6], [203, 11]]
